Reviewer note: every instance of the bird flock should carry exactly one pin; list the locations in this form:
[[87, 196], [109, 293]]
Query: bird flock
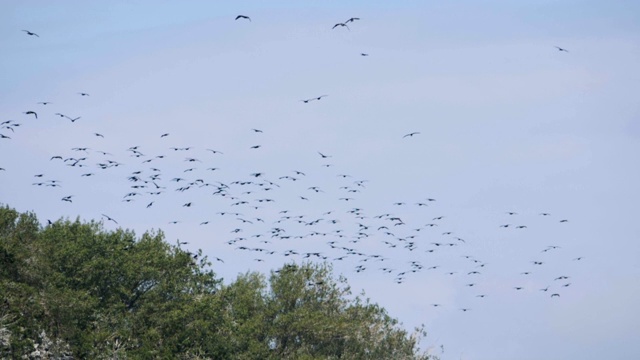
[[320, 221]]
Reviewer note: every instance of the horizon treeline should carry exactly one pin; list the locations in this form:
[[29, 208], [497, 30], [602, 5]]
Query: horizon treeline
[[107, 294]]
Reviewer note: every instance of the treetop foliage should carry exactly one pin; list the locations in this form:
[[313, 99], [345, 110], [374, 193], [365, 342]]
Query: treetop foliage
[[109, 294]]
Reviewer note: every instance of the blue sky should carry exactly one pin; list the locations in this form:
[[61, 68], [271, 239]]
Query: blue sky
[[506, 122]]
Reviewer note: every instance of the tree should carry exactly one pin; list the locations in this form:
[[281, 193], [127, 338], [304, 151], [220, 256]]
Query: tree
[[108, 294]]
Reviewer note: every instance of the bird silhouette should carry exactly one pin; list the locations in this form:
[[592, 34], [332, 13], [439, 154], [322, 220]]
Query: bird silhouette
[[31, 113], [109, 218], [561, 49], [342, 25], [411, 134], [243, 17], [31, 33]]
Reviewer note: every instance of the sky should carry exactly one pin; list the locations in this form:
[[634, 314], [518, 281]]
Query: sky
[[506, 123]]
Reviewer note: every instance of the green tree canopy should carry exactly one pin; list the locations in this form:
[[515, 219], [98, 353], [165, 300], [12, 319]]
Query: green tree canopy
[[108, 294]]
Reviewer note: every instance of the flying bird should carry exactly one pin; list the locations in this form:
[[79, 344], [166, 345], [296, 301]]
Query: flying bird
[[341, 24], [83, 94], [411, 134], [561, 49], [31, 113], [31, 33], [109, 218], [242, 17]]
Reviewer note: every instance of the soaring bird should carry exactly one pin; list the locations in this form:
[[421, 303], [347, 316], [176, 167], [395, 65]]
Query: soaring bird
[[31, 113], [352, 20], [561, 49], [83, 94], [109, 218], [44, 103], [31, 33], [341, 24], [411, 134], [313, 98], [243, 17]]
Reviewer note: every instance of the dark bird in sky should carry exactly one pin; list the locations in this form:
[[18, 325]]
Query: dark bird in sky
[[352, 19], [98, 135], [364, 54], [31, 113], [242, 17], [555, 295], [83, 94], [72, 119], [411, 134], [341, 24], [44, 103], [511, 213], [313, 98], [215, 151], [2, 136], [67, 198], [564, 220], [257, 130], [109, 218], [31, 33], [256, 146], [163, 135], [323, 155], [561, 49]]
